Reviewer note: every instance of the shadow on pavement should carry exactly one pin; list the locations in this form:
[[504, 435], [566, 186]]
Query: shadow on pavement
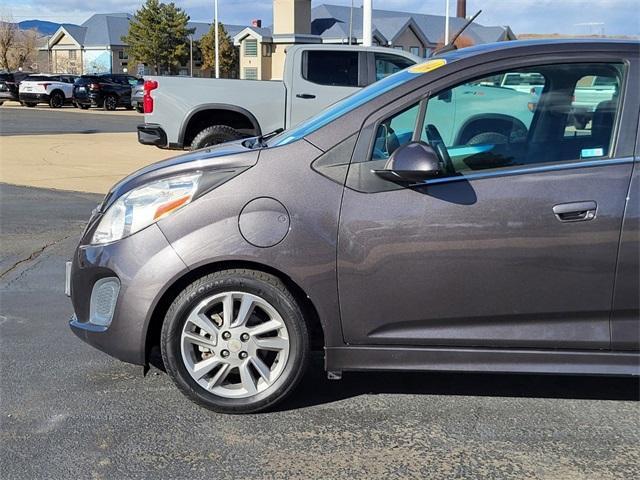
[[315, 389]]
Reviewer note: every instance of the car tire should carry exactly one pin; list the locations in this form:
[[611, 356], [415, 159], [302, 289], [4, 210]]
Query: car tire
[[140, 109], [56, 100], [214, 135], [243, 389], [128, 107], [83, 107], [29, 104], [494, 138], [110, 103]]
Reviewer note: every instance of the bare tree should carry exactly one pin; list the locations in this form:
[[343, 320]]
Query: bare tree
[[8, 33], [25, 50]]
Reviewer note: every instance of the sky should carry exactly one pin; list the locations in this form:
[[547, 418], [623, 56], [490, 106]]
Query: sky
[[611, 17]]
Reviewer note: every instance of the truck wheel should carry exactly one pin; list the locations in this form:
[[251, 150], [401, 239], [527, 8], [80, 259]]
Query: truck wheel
[[214, 135], [495, 138], [235, 341]]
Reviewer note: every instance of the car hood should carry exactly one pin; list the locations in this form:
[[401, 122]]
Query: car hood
[[227, 156]]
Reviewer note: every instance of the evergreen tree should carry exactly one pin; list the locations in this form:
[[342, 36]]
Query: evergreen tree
[[159, 36], [228, 53]]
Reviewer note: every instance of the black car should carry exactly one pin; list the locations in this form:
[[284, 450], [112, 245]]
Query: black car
[[107, 90], [9, 82]]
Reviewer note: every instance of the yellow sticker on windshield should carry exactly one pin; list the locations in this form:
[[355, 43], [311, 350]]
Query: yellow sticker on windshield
[[428, 66]]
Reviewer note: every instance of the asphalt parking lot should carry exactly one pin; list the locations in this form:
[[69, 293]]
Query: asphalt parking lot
[[68, 411]]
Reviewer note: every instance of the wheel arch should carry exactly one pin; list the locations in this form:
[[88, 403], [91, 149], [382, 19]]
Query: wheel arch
[[471, 122], [156, 319], [58, 90], [234, 116]]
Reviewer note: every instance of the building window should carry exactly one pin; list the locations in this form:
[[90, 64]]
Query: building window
[[398, 47], [251, 48], [72, 54], [267, 49], [250, 73], [428, 52], [415, 51], [122, 55]]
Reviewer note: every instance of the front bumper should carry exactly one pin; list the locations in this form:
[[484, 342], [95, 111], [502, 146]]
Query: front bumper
[[152, 134], [8, 95], [34, 97], [146, 266]]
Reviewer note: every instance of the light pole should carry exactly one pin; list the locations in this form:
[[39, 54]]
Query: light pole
[[367, 6], [446, 22], [191, 55], [217, 53]]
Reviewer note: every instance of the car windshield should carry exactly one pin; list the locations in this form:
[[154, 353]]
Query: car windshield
[[342, 107]]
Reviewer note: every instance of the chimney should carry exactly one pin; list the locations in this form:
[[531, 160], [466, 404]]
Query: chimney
[[256, 23], [462, 9], [291, 17]]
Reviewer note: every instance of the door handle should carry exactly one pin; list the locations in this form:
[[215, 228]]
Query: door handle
[[305, 95], [575, 211]]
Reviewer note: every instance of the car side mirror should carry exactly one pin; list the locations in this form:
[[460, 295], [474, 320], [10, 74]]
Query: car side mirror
[[411, 163]]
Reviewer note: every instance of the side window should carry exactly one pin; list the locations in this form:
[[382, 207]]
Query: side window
[[387, 64], [489, 123], [330, 67]]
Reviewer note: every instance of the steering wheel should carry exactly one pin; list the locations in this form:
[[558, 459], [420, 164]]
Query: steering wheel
[[435, 140]]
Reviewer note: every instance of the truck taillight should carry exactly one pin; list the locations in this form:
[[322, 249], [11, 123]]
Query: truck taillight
[[147, 99]]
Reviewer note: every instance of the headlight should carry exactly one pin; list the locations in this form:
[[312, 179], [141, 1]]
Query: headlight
[[144, 205]]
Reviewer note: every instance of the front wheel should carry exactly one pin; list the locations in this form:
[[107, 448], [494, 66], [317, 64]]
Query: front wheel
[[214, 135], [235, 341]]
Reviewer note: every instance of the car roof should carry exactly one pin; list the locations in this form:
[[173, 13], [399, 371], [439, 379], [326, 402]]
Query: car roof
[[540, 46]]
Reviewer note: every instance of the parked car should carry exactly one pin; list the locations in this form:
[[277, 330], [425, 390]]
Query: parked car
[[9, 82], [137, 96], [53, 89], [105, 90], [199, 112], [372, 234]]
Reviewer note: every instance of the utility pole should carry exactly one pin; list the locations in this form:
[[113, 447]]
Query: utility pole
[[217, 43], [446, 22], [351, 23], [191, 55], [367, 7]]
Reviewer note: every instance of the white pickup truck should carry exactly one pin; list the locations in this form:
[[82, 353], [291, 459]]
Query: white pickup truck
[[198, 112]]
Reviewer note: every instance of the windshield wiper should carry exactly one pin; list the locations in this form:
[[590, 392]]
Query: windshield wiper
[[261, 141]]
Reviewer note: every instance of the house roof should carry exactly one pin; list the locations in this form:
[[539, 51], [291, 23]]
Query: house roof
[[107, 29], [332, 21]]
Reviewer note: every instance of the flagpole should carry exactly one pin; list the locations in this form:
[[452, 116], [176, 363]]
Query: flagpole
[[217, 45]]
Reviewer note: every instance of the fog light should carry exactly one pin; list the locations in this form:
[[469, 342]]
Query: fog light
[[103, 301]]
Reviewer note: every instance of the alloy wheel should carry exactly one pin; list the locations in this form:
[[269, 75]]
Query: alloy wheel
[[234, 344]]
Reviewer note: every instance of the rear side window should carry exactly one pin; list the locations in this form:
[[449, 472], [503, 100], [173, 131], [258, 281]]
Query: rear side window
[[387, 64], [41, 78], [334, 68]]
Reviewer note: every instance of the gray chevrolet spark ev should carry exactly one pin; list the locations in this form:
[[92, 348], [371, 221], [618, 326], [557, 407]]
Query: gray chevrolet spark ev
[[477, 212]]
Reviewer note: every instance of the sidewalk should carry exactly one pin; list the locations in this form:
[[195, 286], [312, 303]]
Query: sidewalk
[[79, 162]]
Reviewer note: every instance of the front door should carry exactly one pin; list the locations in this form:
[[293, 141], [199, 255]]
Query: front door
[[515, 244], [326, 77]]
